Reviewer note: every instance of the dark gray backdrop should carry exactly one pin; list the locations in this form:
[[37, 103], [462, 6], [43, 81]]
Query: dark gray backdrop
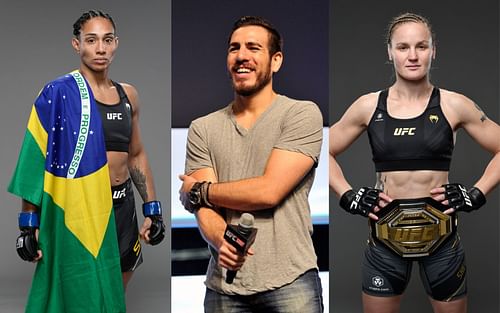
[[467, 62], [200, 32], [36, 48]]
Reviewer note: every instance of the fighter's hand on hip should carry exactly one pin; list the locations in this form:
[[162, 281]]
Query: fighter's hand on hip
[[458, 198], [366, 201]]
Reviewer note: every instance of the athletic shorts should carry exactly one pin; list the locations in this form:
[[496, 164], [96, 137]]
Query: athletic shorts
[[443, 273], [126, 226]]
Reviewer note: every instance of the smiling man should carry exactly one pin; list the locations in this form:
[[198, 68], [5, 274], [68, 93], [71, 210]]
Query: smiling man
[[256, 155]]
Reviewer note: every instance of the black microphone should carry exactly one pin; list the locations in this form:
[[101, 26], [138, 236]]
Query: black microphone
[[240, 236]]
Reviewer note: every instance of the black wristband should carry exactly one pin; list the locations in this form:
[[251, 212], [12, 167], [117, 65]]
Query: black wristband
[[204, 195], [197, 197]]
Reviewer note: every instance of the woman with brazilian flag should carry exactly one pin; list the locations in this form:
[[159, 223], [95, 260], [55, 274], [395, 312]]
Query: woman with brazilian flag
[[81, 151]]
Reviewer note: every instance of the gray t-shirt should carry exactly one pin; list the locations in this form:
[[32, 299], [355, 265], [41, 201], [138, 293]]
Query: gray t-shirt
[[283, 246]]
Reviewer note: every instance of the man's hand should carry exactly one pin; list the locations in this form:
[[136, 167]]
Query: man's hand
[[229, 257], [187, 184]]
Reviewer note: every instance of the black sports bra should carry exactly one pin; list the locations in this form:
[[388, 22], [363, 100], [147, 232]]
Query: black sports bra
[[424, 142], [117, 122]]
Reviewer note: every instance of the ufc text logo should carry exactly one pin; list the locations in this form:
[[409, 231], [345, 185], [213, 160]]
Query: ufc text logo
[[466, 195], [118, 194], [402, 131], [114, 116], [354, 204], [234, 238]]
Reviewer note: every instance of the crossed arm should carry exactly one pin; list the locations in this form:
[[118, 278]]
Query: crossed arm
[[284, 170]]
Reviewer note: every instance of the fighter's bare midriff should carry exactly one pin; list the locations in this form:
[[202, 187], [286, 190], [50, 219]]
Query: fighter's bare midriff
[[118, 167], [410, 184]]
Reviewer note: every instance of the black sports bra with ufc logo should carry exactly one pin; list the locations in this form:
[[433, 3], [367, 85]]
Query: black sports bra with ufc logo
[[117, 122], [424, 142]]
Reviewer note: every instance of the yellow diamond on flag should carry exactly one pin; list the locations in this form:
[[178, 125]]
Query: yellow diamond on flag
[[87, 205]]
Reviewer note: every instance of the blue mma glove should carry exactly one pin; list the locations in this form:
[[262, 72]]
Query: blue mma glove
[[26, 243], [152, 209]]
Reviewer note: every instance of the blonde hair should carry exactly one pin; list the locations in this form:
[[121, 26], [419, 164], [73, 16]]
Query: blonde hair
[[408, 18]]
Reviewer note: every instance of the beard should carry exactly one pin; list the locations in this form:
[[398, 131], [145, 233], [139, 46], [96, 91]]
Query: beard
[[263, 79]]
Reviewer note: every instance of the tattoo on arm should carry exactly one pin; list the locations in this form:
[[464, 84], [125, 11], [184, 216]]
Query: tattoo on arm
[[139, 180], [483, 116]]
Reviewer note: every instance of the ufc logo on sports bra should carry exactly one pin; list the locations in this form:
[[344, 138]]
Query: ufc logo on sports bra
[[114, 116], [404, 131], [118, 194]]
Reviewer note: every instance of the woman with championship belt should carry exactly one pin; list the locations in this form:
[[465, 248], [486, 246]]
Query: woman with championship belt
[[412, 208]]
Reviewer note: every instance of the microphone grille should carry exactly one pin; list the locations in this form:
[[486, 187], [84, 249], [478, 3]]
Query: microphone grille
[[246, 220]]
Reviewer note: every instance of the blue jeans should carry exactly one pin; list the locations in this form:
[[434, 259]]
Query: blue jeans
[[303, 295]]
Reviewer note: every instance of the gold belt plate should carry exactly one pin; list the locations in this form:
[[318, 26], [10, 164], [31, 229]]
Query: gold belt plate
[[413, 227]]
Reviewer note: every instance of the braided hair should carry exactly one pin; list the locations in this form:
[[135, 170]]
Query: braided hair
[[77, 26]]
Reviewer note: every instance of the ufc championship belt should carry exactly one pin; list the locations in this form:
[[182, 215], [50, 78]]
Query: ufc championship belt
[[413, 227]]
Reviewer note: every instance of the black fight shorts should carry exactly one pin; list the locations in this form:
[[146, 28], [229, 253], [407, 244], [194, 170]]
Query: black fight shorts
[[443, 273], [126, 226]]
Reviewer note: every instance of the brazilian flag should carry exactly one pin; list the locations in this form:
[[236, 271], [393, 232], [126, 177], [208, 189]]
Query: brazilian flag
[[62, 169]]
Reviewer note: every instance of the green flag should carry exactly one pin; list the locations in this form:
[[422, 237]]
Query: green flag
[[62, 169]]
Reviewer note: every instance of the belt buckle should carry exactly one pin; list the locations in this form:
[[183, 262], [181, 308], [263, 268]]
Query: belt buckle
[[413, 227]]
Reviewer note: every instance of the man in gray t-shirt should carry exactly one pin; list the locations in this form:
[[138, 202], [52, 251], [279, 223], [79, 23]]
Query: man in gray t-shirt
[[256, 155]]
